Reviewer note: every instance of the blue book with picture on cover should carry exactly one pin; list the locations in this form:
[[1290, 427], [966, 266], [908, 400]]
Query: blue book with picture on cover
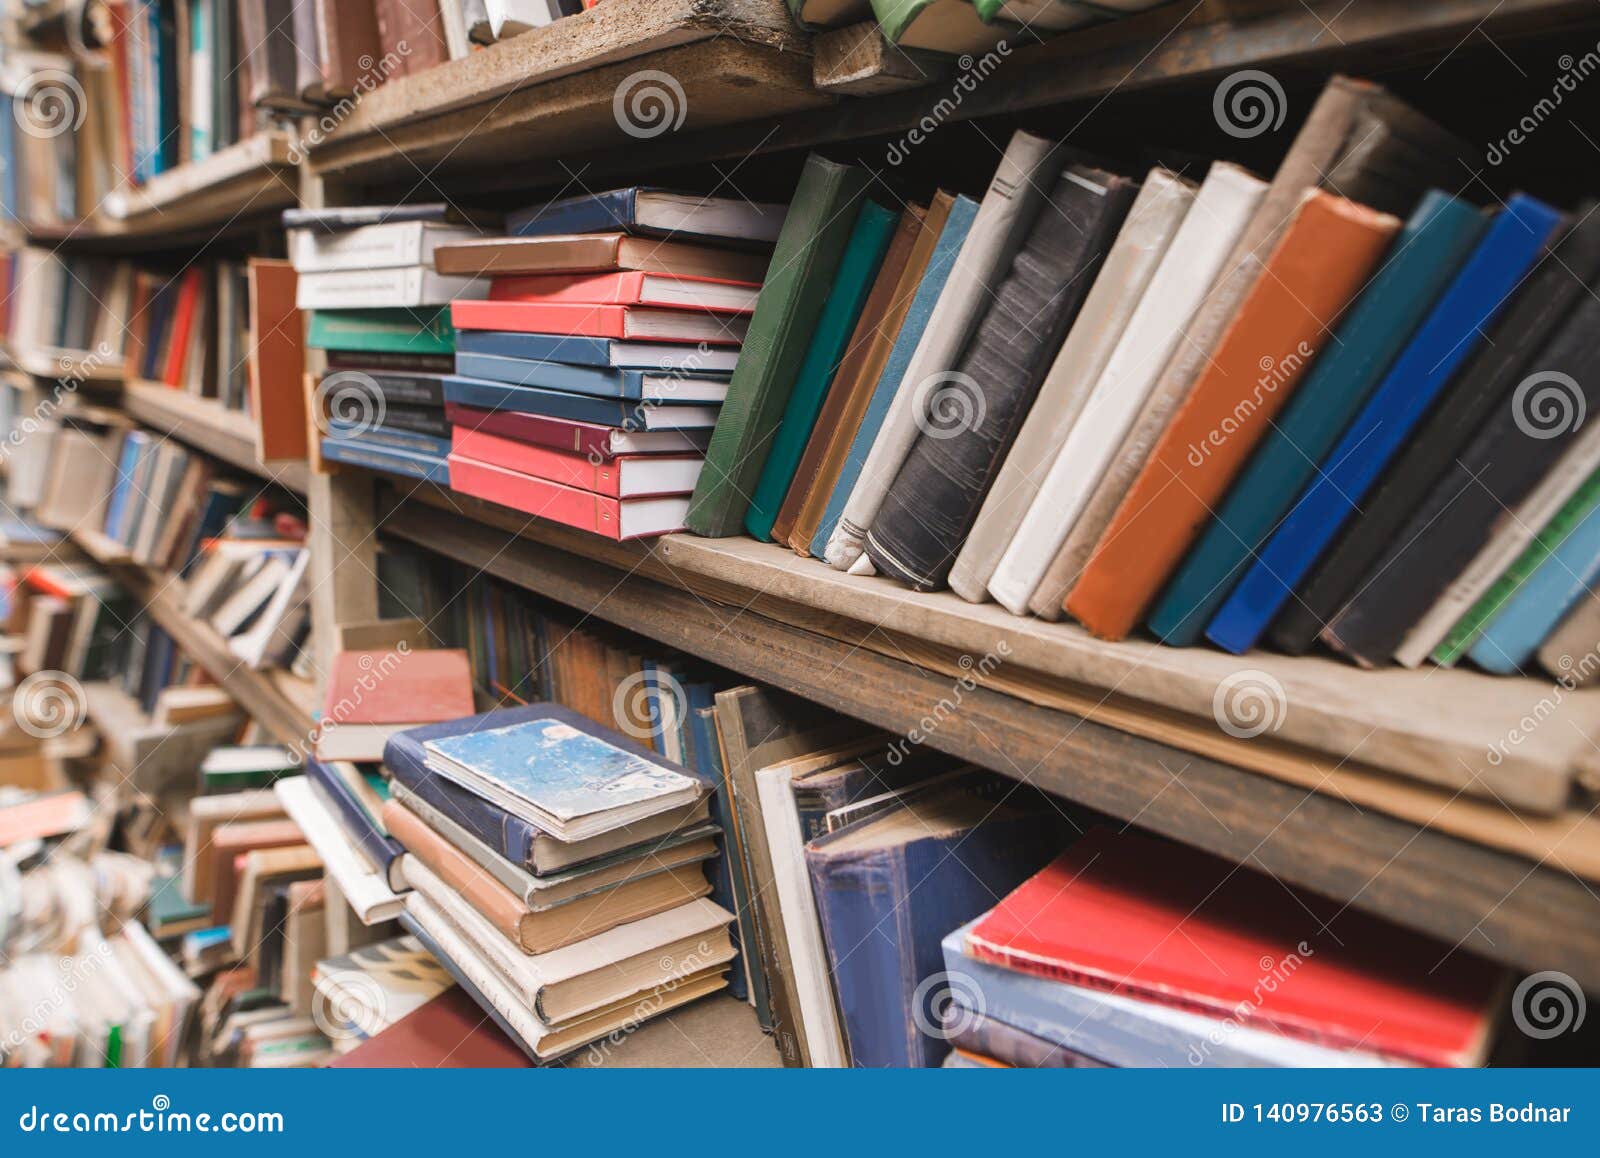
[[1452, 332], [564, 773]]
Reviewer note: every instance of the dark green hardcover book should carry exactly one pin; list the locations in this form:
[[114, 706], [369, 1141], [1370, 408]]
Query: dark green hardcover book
[[804, 263], [423, 331], [869, 241]]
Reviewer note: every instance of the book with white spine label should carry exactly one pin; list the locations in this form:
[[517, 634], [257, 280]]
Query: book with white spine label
[[403, 287], [388, 246]]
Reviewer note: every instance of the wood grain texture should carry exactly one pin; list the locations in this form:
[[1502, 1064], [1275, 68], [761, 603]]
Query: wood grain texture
[[206, 425], [1475, 898], [858, 61]]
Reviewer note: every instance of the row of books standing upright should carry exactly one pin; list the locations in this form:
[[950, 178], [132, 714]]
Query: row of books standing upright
[[1339, 405], [572, 368]]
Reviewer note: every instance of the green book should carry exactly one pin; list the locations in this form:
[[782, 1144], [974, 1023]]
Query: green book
[[1467, 629], [869, 241], [804, 262], [953, 26], [814, 14], [424, 331]]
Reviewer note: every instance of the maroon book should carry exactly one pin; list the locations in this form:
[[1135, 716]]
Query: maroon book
[[449, 1032]]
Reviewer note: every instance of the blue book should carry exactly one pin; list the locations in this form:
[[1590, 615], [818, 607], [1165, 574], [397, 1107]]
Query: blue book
[[650, 212], [633, 385], [359, 823], [1428, 252], [518, 840], [1445, 341], [940, 263], [605, 352], [482, 395], [563, 772], [1508, 643], [423, 444], [361, 452], [134, 447], [727, 887], [889, 888]]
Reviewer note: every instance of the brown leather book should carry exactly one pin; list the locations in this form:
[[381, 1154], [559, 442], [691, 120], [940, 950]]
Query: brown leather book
[[448, 1032], [598, 253], [229, 844], [348, 34], [841, 415], [867, 347], [417, 25], [1319, 266], [550, 928], [277, 362]]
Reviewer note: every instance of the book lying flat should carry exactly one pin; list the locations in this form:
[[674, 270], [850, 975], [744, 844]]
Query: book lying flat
[[394, 244], [577, 350], [405, 287], [1102, 915], [629, 289], [614, 518], [448, 1032], [628, 385], [631, 476], [653, 213], [371, 695], [645, 323], [564, 773], [388, 459], [597, 252], [619, 412], [589, 439]]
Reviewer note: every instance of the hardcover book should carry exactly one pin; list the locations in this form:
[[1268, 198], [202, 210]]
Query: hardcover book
[[592, 441], [653, 212]]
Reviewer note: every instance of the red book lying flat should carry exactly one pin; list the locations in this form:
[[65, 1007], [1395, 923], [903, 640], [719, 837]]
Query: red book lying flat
[[374, 694], [630, 288], [586, 438], [634, 476], [600, 321], [613, 518], [449, 1032], [1162, 922]]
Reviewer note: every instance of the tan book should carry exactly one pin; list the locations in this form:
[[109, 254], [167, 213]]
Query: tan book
[[305, 943], [179, 705], [206, 814], [597, 252], [231, 843], [262, 868]]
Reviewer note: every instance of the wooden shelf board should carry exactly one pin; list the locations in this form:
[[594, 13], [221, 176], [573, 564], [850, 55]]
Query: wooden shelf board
[[60, 365], [206, 425], [237, 179], [1490, 902]]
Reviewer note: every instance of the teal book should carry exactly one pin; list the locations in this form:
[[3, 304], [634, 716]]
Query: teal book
[[1430, 249], [942, 261], [398, 331], [809, 251], [1508, 644], [869, 241]]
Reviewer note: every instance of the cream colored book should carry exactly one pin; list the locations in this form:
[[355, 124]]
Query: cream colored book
[[1135, 255], [365, 890], [1030, 165], [1226, 200]]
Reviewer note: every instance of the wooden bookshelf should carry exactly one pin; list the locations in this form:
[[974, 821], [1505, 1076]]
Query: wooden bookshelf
[[552, 90], [206, 425], [742, 614], [59, 365], [252, 177]]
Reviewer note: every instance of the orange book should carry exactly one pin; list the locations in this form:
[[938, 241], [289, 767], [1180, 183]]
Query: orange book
[[1317, 269], [277, 362]]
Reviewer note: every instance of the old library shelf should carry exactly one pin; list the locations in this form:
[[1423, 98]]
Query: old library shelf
[[207, 426]]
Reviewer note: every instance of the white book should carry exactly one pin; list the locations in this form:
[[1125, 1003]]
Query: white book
[[1515, 531], [403, 287], [366, 892], [1152, 223], [281, 619], [578, 979], [808, 955], [1030, 165], [1220, 212], [390, 245], [455, 28]]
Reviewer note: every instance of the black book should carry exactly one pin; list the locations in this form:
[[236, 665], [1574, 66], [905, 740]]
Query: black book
[[1524, 328], [974, 413], [417, 420], [396, 388], [1499, 468]]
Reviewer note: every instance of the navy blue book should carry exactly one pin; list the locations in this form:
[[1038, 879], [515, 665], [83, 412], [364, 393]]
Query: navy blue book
[[725, 891], [1450, 335], [396, 387], [361, 451], [429, 420], [634, 385], [359, 824], [518, 840], [649, 212], [607, 352], [482, 395], [890, 888], [386, 435]]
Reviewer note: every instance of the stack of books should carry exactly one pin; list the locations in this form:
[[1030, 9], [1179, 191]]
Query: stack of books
[[558, 871], [586, 385], [378, 306], [1128, 950]]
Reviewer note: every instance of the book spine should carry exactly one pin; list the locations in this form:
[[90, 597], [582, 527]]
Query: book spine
[[378, 848], [535, 496]]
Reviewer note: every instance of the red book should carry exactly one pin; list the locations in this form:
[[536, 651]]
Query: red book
[[1162, 922], [586, 438], [42, 817], [374, 694], [449, 1032], [630, 288], [624, 477], [613, 518], [638, 323], [183, 316]]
